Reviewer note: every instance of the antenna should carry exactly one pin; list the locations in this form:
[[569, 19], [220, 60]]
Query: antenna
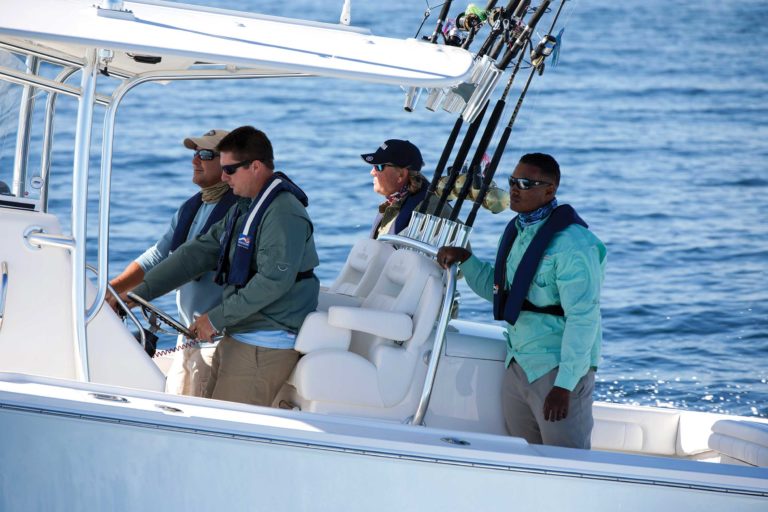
[[346, 15]]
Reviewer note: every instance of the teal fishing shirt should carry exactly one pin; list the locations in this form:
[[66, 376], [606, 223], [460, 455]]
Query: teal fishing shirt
[[570, 274]]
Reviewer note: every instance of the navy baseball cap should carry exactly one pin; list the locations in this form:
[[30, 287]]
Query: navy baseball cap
[[401, 153]]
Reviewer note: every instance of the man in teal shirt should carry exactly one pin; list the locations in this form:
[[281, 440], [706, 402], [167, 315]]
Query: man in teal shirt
[[552, 311], [264, 255]]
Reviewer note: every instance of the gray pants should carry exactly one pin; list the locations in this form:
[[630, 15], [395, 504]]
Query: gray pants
[[523, 407]]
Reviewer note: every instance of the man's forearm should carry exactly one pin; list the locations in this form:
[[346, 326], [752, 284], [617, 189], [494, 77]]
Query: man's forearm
[[129, 279]]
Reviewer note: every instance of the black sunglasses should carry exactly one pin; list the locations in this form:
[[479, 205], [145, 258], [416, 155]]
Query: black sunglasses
[[232, 168], [380, 167], [525, 183], [206, 154]]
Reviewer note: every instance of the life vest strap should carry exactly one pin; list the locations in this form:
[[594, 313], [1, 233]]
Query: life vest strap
[[554, 309]]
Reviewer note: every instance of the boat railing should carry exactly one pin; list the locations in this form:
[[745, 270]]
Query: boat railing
[[87, 97], [3, 289], [445, 309], [125, 309], [432, 232]]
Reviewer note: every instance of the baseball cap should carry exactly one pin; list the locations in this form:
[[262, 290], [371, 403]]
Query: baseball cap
[[395, 151], [209, 140]]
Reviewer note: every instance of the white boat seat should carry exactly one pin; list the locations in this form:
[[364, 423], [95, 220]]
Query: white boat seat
[[385, 324], [358, 276], [624, 429], [740, 442], [364, 360]]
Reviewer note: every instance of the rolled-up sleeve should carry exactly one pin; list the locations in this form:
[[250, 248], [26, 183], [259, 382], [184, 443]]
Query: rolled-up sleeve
[[158, 252]]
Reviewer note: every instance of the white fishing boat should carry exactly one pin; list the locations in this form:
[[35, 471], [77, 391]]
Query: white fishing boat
[[394, 406]]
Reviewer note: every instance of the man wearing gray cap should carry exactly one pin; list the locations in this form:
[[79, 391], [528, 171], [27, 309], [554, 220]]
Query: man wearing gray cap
[[397, 176], [191, 367]]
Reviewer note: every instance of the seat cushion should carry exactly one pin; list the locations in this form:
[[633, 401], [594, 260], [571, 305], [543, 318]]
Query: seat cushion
[[745, 441]]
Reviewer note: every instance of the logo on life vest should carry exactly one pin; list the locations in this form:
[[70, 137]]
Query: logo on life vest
[[244, 241], [495, 289]]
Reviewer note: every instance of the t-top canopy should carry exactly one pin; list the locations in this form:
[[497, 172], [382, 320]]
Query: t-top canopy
[[184, 35]]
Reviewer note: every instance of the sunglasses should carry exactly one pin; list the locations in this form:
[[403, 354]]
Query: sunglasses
[[232, 168], [380, 167], [206, 154], [525, 183]]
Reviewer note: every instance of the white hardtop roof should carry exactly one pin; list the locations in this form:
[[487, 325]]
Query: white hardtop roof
[[184, 35]]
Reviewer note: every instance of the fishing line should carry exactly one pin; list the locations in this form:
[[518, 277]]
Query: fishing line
[[427, 14]]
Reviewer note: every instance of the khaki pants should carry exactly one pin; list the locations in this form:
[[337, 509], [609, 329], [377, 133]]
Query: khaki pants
[[523, 406], [189, 371], [248, 374]]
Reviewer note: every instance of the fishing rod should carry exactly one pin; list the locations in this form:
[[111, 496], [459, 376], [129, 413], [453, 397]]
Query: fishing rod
[[493, 121], [412, 94], [500, 22], [456, 99], [448, 148], [485, 140], [542, 50], [472, 19], [486, 87], [440, 20]]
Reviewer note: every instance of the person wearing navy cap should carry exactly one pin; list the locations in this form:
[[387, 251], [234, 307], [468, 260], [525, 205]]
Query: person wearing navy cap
[[396, 172]]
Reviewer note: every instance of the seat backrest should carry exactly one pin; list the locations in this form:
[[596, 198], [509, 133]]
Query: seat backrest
[[399, 288], [362, 268], [401, 282], [740, 442]]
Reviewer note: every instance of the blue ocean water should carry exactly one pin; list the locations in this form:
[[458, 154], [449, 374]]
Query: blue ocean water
[[656, 113]]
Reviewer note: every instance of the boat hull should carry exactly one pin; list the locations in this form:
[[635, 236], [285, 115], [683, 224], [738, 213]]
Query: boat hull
[[73, 446]]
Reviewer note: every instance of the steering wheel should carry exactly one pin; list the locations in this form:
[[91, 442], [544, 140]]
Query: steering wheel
[[154, 315]]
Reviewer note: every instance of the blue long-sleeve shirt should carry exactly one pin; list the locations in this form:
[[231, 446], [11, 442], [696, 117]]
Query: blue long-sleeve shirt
[[195, 297], [570, 274]]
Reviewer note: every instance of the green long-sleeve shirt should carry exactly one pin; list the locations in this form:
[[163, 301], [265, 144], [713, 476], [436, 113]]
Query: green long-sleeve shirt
[[272, 298], [570, 274]]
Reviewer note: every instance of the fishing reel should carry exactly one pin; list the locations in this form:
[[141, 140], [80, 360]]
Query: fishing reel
[[471, 19], [542, 50], [451, 36]]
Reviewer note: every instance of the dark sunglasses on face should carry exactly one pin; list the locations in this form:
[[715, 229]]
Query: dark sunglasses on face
[[232, 168], [525, 183], [380, 167], [206, 154]]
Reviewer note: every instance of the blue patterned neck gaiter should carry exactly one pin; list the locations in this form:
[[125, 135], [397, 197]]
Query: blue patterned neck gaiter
[[530, 218]]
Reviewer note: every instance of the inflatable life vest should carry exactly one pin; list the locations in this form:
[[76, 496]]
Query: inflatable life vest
[[507, 303], [404, 217], [188, 211], [238, 272]]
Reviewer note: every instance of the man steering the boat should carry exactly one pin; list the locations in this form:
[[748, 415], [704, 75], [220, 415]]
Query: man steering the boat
[[191, 367], [264, 255], [396, 172], [546, 285]]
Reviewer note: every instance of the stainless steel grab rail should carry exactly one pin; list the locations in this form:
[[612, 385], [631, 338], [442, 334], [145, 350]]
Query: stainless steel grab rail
[[3, 289], [442, 323], [124, 307]]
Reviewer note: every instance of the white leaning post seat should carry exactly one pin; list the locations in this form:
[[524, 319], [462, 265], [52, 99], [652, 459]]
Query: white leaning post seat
[[358, 276], [366, 360], [37, 335], [740, 442]]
